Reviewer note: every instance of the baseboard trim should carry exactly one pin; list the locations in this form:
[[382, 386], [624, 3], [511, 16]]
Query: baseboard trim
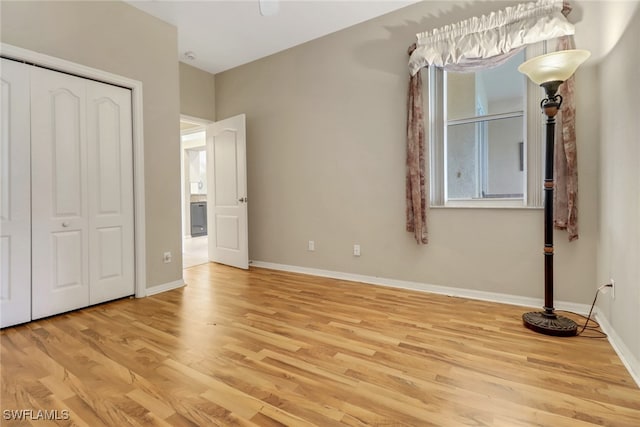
[[425, 287], [165, 287], [626, 356]]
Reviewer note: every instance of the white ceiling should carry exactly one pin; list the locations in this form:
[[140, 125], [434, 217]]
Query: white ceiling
[[226, 33]]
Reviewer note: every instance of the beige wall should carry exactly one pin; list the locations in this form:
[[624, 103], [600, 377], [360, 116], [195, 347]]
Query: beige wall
[[619, 238], [115, 37], [326, 162], [197, 92]]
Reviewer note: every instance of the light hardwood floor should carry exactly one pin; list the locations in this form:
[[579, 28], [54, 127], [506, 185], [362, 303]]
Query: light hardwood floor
[[271, 348]]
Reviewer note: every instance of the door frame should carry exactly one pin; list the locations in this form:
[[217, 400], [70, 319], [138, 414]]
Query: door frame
[[57, 64]]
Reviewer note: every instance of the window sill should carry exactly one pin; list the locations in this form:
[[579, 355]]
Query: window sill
[[485, 204]]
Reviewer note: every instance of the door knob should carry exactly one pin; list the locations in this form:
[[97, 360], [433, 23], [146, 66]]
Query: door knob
[[65, 224], [242, 199]]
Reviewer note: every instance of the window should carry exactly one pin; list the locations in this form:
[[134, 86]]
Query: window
[[478, 137]]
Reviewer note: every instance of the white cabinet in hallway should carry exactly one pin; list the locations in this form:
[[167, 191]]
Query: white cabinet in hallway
[[82, 244]]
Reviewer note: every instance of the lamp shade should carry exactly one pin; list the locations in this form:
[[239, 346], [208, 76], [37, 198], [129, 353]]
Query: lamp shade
[[556, 66]]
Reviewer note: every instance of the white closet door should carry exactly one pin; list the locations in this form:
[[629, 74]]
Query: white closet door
[[15, 227], [60, 202], [109, 136]]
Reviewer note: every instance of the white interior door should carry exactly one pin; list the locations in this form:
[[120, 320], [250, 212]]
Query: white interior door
[[227, 192], [15, 188], [110, 186], [60, 202]]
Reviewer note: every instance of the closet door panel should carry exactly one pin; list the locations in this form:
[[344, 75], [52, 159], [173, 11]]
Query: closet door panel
[[109, 136], [15, 206], [60, 205]]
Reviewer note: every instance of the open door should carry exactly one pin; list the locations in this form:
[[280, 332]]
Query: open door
[[227, 192]]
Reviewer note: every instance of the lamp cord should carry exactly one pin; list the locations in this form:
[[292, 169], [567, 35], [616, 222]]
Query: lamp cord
[[596, 326]]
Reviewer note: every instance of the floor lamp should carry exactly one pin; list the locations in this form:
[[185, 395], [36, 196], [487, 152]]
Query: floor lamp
[[549, 71]]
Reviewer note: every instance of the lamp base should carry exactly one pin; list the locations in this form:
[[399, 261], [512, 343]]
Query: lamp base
[[555, 325]]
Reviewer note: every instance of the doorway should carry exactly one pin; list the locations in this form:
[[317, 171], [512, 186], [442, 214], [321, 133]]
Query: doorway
[[214, 192], [194, 192]]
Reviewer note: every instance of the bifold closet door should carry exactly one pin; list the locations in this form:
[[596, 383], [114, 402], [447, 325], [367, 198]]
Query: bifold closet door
[[60, 197], [82, 202], [110, 150], [15, 210]]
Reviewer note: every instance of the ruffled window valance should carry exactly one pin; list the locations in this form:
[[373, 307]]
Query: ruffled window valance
[[500, 33]]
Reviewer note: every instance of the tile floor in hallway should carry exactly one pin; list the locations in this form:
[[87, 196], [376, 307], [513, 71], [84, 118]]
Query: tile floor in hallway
[[194, 251]]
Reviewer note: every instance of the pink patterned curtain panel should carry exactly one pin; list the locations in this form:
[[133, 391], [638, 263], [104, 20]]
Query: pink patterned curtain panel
[[565, 214], [416, 176]]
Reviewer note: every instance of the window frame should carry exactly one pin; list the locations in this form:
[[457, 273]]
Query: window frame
[[533, 145]]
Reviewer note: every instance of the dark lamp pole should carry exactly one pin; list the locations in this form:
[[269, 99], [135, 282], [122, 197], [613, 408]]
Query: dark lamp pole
[[550, 71]]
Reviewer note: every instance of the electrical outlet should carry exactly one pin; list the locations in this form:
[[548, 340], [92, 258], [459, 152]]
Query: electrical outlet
[[613, 288], [356, 250], [312, 246], [166, 257]]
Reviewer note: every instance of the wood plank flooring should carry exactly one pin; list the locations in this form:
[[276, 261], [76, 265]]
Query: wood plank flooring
[[268, 348]]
